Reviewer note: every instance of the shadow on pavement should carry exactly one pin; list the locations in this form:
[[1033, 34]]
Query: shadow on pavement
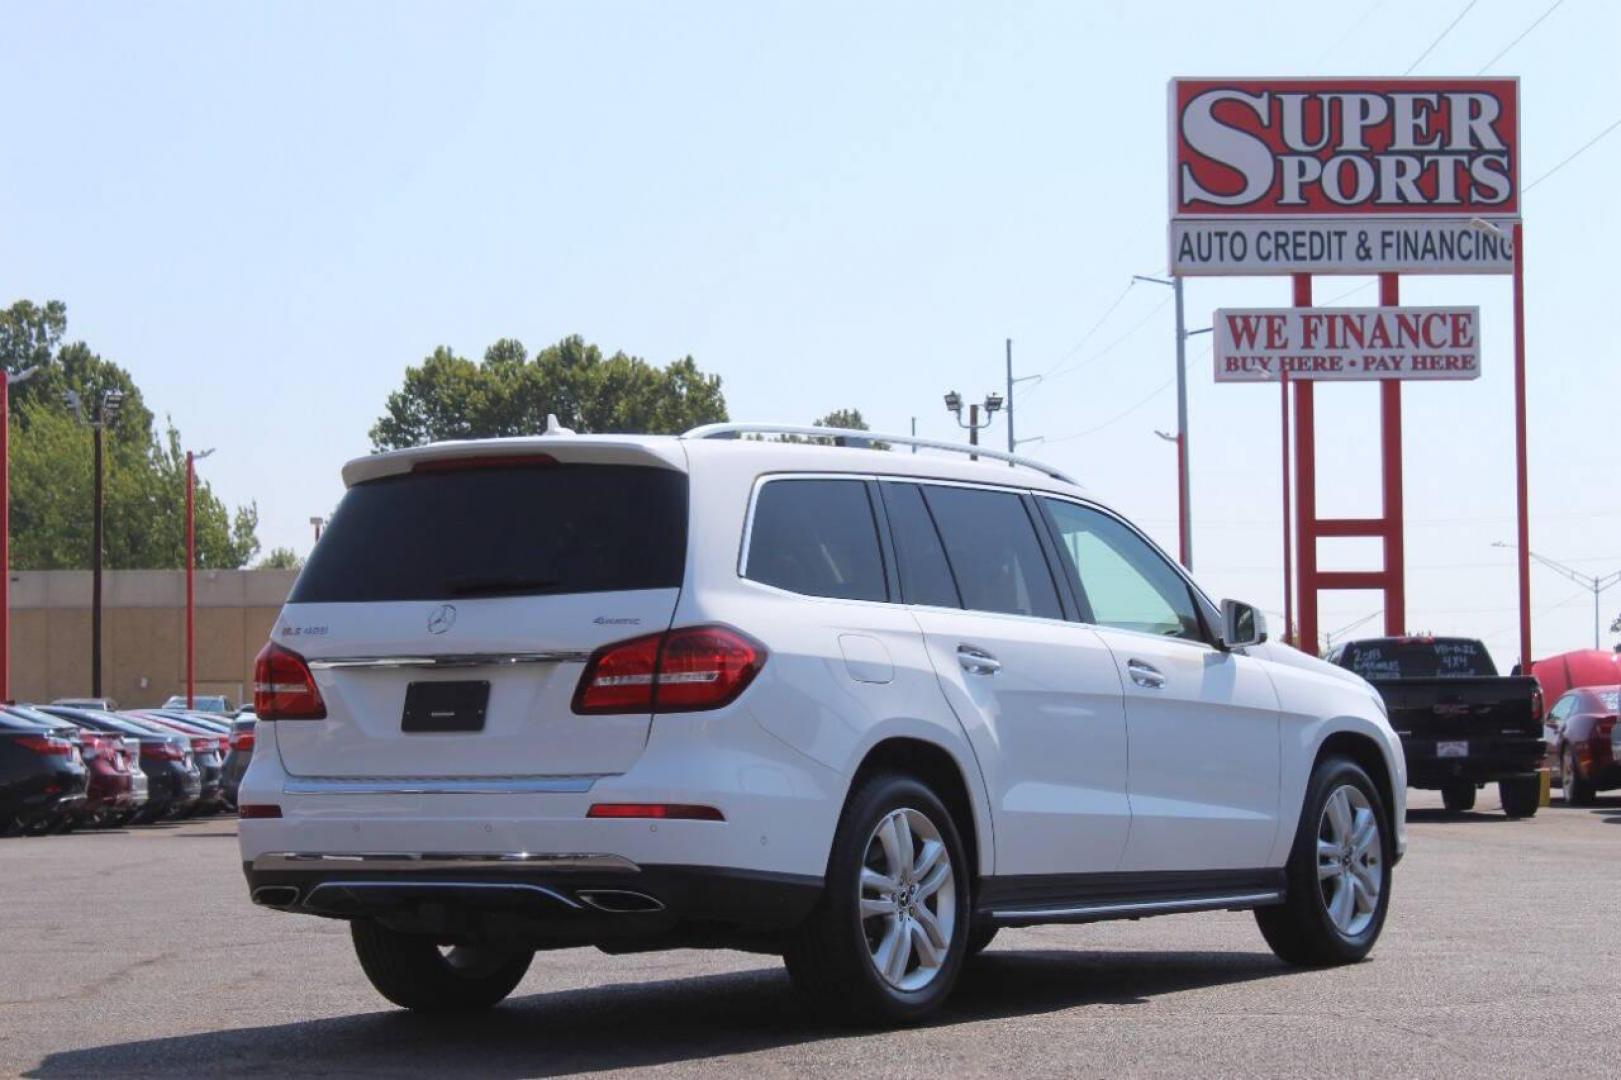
[[627, 1025], [1448, 817]]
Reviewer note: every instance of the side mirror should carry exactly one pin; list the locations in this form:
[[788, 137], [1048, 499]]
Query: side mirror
[[1241, 625]]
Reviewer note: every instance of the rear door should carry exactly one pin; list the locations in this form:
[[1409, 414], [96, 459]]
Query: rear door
[[498, 575], [1204, 724], [1037, 694]]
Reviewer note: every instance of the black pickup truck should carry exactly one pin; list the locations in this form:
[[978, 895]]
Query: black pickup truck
[[1461, 724]]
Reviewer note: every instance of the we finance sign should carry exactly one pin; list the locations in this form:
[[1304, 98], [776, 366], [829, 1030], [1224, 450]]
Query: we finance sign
[[1264, 344], [1272, 176]]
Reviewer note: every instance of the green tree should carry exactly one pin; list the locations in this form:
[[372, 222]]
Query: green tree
[[52, 463], [508, 393], [280, 558], [843, 418]]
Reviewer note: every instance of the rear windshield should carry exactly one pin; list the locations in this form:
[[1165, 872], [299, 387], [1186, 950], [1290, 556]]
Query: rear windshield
[[1440, 658], [501, 531]]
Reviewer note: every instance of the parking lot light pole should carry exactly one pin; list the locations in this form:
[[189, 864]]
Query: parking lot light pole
[[1596, 582], [103, 408], [7, 381], [191, 564]]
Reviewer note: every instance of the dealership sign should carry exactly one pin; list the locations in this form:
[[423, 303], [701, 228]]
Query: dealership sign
[[1342, 175], [1261, 344]]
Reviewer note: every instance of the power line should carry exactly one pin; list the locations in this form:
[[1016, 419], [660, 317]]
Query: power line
[[1441, 38], [1166, 385], [1521, 37], [1578, 153], [1073, 349], [1111, 346]]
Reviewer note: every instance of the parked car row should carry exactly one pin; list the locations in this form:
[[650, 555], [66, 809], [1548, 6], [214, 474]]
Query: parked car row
[[68, 765]]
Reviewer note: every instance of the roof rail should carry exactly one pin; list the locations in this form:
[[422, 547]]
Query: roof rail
[[855, 437]]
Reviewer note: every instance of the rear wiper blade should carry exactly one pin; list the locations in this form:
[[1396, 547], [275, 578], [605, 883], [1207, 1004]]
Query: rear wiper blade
[[473, 586]]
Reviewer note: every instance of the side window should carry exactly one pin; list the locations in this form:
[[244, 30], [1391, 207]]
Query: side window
[[1122, 581], [920, 557], [1563, 707], [816, 537], [994, 553]]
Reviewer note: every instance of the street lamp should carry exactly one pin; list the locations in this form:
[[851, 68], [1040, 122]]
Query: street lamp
[[102, 410], [993, 402], [1597, 583], [191, 563], [7, 380]]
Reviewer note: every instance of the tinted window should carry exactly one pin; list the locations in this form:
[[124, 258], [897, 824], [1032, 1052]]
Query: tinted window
[[816, 537], [925, 575], [1418, 658], [501, 531], [995, 556], [1122, 581]]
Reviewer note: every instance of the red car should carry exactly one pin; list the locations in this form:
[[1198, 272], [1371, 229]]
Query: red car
[[111, 796], [1582, 722]]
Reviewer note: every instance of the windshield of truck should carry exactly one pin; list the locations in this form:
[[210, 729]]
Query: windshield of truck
[[1418, 658]]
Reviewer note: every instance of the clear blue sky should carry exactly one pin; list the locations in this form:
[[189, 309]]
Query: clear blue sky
[[266, 212]]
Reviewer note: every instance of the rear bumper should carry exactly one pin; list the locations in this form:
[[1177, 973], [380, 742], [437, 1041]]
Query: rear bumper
[[1486, 761], [543, 901]]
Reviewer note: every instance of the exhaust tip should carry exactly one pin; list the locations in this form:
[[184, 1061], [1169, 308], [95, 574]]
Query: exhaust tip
[[275, 895], [619, 901]]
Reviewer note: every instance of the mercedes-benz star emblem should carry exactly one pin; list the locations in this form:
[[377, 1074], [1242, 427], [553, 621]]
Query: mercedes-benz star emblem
[[441, 618]]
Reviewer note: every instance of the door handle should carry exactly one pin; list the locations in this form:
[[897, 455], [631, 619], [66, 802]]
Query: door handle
[[977, 661], [1145, 675]]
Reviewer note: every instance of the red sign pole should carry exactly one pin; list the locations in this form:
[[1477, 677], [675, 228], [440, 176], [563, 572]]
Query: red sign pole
[[1288, 556], [1520, 467], [5, 537], [1306, 492], [191, 561], [1395, 574]]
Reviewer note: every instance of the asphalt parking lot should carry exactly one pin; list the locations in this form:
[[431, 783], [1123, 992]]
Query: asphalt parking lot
[[137, 953]]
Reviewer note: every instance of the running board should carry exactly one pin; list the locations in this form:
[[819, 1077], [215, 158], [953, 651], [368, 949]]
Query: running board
[[1029, 900]]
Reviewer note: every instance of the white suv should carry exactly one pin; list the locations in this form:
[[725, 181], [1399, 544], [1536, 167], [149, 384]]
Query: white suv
[[859, 707]]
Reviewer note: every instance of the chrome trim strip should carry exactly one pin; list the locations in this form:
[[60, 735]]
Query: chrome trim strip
[[505, 886], [449, 660], [438, 785], [517, 861], [1188, 904]]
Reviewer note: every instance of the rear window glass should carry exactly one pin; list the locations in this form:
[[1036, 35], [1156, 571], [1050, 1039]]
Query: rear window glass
[[925, 575], [1432, 659], [818, 538], [501, 531]]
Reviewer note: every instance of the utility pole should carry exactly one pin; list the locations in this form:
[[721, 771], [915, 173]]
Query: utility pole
[[1013, 443], [1597, 583], [1184, 495], [96, 546], [101, 412], [191, 564], [973, 429]]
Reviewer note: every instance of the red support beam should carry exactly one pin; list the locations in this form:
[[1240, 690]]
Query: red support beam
[[1306, 492], [1351, 527], [1521, 484], [1395, 584]]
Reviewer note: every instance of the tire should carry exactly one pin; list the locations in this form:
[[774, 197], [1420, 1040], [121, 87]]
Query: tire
[[1458, 798], [980, 937], [412, 972], [1577, 792], [890, 824], [1314, 926], [1520, 796]]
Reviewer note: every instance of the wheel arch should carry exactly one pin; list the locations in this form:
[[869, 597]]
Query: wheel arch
[[1365, 752], [937, 767]]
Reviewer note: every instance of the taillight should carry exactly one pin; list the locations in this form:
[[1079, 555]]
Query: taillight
[[283, 688], [161, 751], [1536, 703], [1605, 725], [258, 810], [242, 740], [201, 745], [49, 745], [697, 667]]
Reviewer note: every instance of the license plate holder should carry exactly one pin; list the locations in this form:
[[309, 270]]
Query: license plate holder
[[1457, 748], [444, 707]]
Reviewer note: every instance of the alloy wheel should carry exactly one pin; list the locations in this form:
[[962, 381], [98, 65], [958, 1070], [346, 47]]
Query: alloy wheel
[[908, 899], [1348, 860]]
